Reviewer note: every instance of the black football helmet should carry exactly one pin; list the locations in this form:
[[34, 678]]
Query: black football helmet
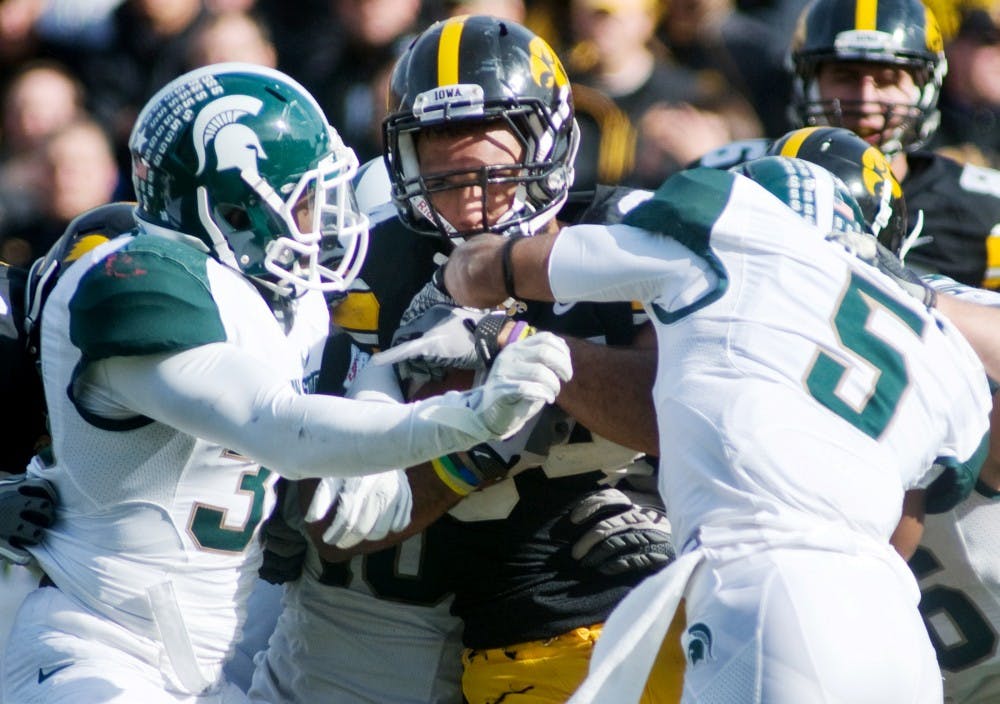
[[900, 33], [472, 70], [862, 167]]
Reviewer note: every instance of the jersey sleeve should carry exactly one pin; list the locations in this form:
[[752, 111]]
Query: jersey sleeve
[[147, 298], [660, 253]]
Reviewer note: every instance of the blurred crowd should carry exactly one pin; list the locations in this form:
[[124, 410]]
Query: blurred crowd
[[657, 83]]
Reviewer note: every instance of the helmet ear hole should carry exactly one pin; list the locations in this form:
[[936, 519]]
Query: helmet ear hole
[[233, 215]]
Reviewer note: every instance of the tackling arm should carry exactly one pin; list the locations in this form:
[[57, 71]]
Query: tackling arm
[[980, 325], [627, 416], [222, 394]]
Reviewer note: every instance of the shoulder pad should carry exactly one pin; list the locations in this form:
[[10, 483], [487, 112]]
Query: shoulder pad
[[606, 205], [151, 296], [83, 233]]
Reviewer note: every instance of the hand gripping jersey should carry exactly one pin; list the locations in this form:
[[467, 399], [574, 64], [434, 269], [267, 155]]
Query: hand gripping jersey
[[156, 525]]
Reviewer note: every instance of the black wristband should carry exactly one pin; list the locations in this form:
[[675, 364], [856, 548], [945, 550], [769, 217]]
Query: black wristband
[[505, 263], [487, 464], [437, 278]]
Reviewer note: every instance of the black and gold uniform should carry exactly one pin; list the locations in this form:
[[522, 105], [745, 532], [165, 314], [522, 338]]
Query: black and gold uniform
[[504, 552]]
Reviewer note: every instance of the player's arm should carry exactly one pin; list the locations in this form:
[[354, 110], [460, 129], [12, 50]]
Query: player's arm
[[989, 475], [226, 395], [980, 325], [611, 390], [910, 529], [578, 263]]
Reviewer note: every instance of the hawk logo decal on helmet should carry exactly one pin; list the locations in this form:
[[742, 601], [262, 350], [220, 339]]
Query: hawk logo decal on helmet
[[479, 71], [546, 69]]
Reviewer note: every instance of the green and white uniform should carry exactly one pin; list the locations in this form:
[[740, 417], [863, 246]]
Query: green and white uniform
[[799, 393]]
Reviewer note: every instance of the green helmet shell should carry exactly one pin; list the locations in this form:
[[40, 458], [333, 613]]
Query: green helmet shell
[[242, 159], [812, 192]]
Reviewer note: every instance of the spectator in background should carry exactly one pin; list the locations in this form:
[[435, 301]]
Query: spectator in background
[[970, 95], [373, 34], [41, 98], [713, 34], [231, 36], [147, 49], [77, 172], [18, 34], [505, 9], [617, 55]]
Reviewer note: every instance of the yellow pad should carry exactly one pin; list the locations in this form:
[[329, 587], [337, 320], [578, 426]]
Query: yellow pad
[[549, 671]]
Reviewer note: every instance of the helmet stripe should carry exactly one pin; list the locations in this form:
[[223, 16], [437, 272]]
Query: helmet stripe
[[451, 37], [865, 14], [795, 140]]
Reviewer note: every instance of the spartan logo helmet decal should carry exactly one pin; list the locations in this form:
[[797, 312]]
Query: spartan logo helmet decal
[[236, 146], [699, 643]]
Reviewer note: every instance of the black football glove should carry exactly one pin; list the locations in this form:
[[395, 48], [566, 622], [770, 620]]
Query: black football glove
[[617, 535], [27, 508]]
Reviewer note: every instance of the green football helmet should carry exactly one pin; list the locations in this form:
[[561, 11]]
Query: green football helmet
[[812, 192], [240, 160], [863, 169]]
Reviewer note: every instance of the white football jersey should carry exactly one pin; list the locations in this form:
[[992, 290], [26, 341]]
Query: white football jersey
[[797, 386], [959, 576], [154, 524]]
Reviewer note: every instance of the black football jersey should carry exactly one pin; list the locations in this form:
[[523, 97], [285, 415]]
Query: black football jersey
[[961, 212], [513, 578]]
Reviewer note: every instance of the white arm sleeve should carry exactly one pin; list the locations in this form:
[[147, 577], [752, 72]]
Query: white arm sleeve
[[624, 263], [222, 394]]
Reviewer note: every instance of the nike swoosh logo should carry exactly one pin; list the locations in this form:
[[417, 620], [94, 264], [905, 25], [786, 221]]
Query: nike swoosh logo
[[42, 675], [561, 308]]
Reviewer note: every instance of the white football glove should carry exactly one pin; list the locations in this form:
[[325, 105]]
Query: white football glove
[[365, 508], [438, 339], [525, 376], [430, 295]]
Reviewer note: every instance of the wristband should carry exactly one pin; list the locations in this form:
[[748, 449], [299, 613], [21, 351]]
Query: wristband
[[518, 331], [506, 266], [455, 475]]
